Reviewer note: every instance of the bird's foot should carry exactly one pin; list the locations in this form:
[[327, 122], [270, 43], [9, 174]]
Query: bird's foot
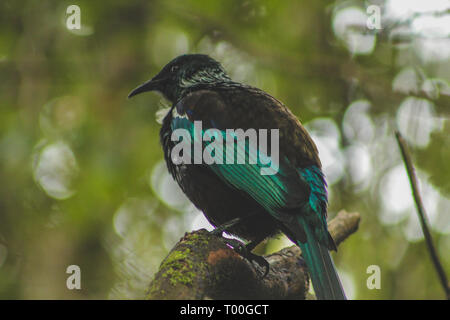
[[224, 227], [233, 222], [245, 252]]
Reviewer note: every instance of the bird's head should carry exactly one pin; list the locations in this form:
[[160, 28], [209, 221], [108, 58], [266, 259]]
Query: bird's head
[[181, 73]]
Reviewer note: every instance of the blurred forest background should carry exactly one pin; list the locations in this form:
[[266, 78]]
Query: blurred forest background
[[82, 175]]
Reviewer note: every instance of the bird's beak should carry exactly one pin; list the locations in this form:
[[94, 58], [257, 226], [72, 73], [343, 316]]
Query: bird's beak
[[153, 84]]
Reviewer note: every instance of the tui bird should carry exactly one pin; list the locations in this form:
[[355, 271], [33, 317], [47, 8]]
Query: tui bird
[[237, 198]]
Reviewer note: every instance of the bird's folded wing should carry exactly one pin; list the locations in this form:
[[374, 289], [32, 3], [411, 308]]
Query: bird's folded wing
[[278, 193]]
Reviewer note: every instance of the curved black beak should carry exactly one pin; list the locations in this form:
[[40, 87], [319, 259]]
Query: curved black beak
[[153, 84]]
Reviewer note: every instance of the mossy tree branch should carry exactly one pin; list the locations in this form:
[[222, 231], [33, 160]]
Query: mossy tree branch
[[201, 266]]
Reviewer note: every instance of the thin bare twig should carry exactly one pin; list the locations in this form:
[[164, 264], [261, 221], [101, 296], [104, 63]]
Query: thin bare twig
[[422, 214]]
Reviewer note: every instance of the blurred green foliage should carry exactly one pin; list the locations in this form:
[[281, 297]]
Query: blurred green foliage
[[80, 165]]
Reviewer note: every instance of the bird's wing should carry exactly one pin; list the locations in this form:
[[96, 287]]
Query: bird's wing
[[298, 176]]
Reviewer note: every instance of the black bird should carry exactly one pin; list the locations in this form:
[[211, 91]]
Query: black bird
[[237, 197]]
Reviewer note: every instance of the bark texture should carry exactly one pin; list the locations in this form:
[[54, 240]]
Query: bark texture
[[202, 266]]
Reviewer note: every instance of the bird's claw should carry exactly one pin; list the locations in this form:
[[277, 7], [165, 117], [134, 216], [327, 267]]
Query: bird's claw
[[217, 232], [262, 262], [224, 227], [244, 252]]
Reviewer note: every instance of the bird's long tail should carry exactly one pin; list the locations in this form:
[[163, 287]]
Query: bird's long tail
[[324, 277]]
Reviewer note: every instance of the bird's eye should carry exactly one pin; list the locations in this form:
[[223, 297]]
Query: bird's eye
[[174, 68]]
